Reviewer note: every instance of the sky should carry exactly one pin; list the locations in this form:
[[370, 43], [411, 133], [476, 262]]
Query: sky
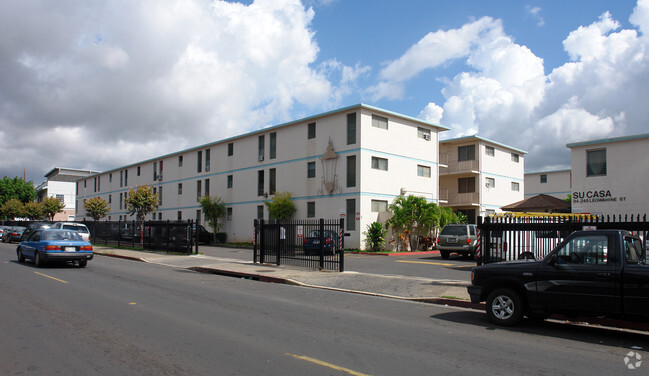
[[102, 84]]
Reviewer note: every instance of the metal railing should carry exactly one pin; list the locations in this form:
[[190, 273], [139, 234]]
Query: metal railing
[[314, 244], [505, 238]]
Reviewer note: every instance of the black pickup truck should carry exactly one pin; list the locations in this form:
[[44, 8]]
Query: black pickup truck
[[590, 273]]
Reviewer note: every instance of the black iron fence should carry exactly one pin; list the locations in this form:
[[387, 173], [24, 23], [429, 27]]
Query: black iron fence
[[315, 244], [512, 238], [173, 236]]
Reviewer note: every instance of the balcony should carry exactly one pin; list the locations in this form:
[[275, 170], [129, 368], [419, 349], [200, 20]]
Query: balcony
[[459, 199], [449, 166]]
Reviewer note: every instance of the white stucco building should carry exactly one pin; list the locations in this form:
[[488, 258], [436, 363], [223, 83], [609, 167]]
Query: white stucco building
[[610, 176], [61, 184], [351, 163], [556, 183], [478, 176]]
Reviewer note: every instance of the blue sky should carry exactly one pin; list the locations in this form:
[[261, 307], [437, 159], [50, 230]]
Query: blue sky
[[147, 78]]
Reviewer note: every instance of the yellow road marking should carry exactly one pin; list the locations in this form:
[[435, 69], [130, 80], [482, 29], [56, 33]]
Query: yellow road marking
[[132, 303], [425, 262], [56, 279], [325, 364]]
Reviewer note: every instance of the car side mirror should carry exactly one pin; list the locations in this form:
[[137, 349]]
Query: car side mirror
[[553, 259]]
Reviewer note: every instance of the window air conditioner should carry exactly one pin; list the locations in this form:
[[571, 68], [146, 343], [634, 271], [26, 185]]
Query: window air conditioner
[[260, 158], [427, 137]]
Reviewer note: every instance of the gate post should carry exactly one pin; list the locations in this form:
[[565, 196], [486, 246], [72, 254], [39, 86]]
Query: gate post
[[281, 236], [341, 256], [255, 223], [262, 242], [321, 243]]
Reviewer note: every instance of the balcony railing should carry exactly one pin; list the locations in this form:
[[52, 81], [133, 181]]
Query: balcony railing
[[453, 166], [459, 199]]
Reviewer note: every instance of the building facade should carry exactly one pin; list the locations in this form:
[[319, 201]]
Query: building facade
[[348, 163], [610, 176], [479, 176], [552, 183], [61, 184]]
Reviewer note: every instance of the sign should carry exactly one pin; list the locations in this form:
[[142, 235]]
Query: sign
[[300, 231], [342, 213], [358, 216], [589, 228]]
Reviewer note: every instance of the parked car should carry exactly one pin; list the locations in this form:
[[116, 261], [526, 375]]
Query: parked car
[[590, 273], [78, 227], [13, 234], [2, 232], [204, 236], [329, 240], [33, 227], [457, 238], [46, 245]]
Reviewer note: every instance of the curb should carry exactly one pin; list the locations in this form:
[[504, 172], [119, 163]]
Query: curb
[[121, 257], [393, 254]]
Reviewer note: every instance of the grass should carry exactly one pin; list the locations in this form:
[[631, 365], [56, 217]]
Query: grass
[[452, 297]]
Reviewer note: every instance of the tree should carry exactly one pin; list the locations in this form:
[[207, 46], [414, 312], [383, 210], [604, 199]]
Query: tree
[[16, 188], [213, 208], [12, 209], [413, 216], [281, 206], [96, 208], [34, 210], [141, 201], [375, 236], [51, 206]]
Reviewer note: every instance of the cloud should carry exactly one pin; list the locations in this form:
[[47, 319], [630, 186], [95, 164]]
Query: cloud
[[140, 79], [535, 13], [506, 96]]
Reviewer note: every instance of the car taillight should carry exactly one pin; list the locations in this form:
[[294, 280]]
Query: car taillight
[[468, 241], [86, 248], [328, 241], [52, 248]]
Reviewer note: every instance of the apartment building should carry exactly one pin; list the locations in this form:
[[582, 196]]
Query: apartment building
[[61, 184], [610, 176], [552, 183], [349, 163], [478, 176]]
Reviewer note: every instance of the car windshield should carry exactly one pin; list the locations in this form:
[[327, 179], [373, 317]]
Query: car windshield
[[454, 230], [76, 228], [61, 235], [316, 234]]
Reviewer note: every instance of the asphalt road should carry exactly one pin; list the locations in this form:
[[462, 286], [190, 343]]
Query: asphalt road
[[119, 317]]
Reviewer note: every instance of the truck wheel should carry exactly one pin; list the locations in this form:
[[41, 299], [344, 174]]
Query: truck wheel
[[444, 254], [505, 307]]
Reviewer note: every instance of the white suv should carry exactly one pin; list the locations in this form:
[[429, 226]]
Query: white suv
[[78, 227]]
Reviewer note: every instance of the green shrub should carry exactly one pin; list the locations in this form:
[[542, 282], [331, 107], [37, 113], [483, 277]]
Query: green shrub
[[375, 236]]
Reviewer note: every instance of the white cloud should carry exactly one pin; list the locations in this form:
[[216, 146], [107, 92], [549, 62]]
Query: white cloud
[[535, 13], [139, 79], [507, 97]]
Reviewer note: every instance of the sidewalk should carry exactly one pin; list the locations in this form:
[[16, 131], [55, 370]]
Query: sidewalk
[[451, 292]]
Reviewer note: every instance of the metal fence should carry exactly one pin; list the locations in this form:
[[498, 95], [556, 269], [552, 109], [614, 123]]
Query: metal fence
[[506, 238], [315, 244], [173, 236]]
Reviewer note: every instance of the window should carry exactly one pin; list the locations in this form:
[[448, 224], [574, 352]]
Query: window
[[198, 215], [110, 177], [110, 199], [272, 175], [199, 161], [180, 161], [423, 171], [207, 187], [596, 162], [273, 145], [179, 215], [490, 151], [120, 200], [310, 209], [351, 128], [379, 122], [229, 181], [155, 171], [121, 179], [544, 179], [230, 149], [351, 215], [311, 131], [261, 148], [99, 183], [466, 153], [379, 163], [260, 211], [207, 159], [160, 196], [126, 177], [585, 250], [423, 133], [351, 171], [260, 183], [95, 180], [310, 170], [138, 169], [198, 190], [228, 214], [515, 157], [379, 206], [490, 182], [466, 185], [180, 188], [515, 187]]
